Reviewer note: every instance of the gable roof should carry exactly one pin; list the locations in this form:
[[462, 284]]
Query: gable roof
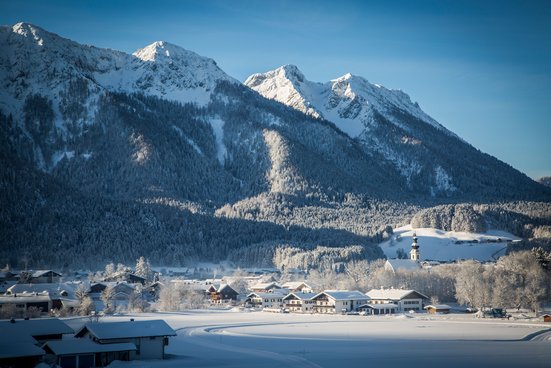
[[267, 295], [395, 294], [19, 349], [127, 329], [40, 273], [292, 285], [344, 294], [266, 285], [79, 346], [402, 264], [35, 327], [54, 289], [300, 296]]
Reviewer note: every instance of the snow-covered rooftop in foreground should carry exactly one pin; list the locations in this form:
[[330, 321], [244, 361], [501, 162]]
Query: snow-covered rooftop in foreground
[[126, 329], [78, 346], [442, 245], [237, 339]]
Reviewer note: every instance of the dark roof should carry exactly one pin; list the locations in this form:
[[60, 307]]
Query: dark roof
[[19, 349], [118, 330]]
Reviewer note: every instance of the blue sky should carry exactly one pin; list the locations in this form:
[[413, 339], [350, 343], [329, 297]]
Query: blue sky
[[481, 68]]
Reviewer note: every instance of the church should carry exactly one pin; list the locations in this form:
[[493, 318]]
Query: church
[[413, 263]]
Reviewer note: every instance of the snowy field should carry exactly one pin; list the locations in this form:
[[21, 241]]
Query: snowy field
[[440, 245], [246, 339]]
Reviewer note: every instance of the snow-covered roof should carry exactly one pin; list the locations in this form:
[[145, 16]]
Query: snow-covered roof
[[392, 294], [119, 330], [266, 285], [79, 346], [18, 349], [379, 306], [301, 296], [54, 289], [438, 306], [344, 294], [267, 295], [35, 327], [402, 264], [293, 285], [40, 273], [25, 298]]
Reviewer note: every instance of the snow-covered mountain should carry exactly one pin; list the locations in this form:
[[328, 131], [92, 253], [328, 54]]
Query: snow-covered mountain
[[36, 61], [350, 102], [103, 152], [385, 121]]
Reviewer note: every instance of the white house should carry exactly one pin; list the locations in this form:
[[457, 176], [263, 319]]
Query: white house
[[265, 300], [338, 301], [299, 302], [394, 265], [266, 287], [406, 300], [149, 337], [297, 286], [375, 309]]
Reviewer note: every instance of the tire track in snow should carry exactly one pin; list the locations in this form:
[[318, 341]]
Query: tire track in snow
[[203, 336]]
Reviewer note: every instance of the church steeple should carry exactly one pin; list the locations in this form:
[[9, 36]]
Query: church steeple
[[414, 253]]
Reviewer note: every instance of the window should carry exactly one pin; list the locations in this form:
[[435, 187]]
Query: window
[[68, 361], [86, 361]]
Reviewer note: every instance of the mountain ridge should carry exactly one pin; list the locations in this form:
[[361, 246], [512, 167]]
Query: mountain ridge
[[166, 151]]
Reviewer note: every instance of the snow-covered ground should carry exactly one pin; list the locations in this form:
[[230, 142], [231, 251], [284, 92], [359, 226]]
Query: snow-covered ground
[[241, 339], [442, 245]]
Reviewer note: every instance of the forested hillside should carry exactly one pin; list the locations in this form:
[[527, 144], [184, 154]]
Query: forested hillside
[[110, 156]]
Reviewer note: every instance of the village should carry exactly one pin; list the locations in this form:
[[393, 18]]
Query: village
[[66, 320]]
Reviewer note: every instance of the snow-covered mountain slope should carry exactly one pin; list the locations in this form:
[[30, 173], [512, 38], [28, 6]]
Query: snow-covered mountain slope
[[36, 61], [349, 101], [119, 147], [440, 245], [431, 159]]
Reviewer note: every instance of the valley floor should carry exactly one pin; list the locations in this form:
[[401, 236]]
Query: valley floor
[[238, 339]]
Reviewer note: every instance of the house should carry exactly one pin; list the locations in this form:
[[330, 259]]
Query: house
[[266, 287], [40, 329], [547, 318], [394, 265], [338, 301], [19, 350], [265, 300], [299, 302], [150, 337], [406, 300], [87, 353], [297, 286], [438, 308], [125, 276], [121, 292], [21, 305], [8, 276], [221, 293], [44, 277], [376, 309], [60, 293]]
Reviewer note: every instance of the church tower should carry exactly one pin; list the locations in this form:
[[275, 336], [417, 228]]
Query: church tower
[[414, 254]]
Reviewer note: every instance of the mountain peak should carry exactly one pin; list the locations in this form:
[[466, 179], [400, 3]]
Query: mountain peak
[[161, 50], [291, 72], [30, 32]]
